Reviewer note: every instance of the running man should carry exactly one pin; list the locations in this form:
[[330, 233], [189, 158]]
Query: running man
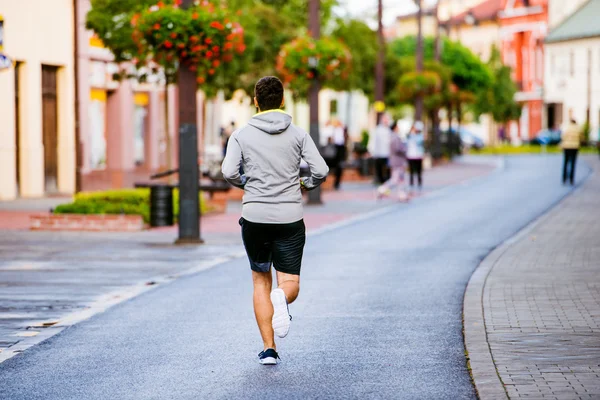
[[264, 158]]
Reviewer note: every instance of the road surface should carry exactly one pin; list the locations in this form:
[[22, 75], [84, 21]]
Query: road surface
[[379, 313]]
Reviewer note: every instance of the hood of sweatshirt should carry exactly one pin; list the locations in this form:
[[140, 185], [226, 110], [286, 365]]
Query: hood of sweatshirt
[[272, 122]]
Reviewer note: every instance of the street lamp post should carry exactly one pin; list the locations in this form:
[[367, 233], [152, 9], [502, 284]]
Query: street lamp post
[[189, 214], [379, 66], [314, 26], [419, 61]]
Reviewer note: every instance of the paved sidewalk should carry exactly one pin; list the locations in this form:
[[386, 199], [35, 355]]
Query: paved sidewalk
[[541, 306], [51, 280]]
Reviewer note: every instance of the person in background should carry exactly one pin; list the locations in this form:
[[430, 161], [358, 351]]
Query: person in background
[[339, 137], [415, 151], [397, 162], [570, 142], [379, 147]]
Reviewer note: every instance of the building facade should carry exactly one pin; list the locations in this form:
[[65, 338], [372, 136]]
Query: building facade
[[524, 25], [477, 28], [37, 99], [572, 87]]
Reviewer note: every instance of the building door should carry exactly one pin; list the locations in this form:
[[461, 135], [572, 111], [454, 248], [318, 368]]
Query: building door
[[17, 128], [50, 128]]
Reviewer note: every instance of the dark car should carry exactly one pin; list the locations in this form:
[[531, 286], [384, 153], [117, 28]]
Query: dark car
[[547, 137]]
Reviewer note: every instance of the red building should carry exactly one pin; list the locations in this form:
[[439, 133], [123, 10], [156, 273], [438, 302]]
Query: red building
[[523, 27]]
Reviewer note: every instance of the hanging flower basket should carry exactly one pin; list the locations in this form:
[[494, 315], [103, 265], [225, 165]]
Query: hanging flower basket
[[305, 59], [202, 38]]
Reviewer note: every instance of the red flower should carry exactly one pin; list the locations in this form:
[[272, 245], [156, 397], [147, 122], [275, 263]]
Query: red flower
[[211, 71], [228, 46], [177, 2], [216, 63], [216, 49], [194, 38], [200, 79], [173, 35], [156, 26], [230, 36], [184, 54], [196, 48], [167, 44], [193, 68], [195, 15], [180, 45], [241, 48], [228, 58], [216, 25], [209, 54], [208, 40], [160, 4], [310, 75], [134, 19]]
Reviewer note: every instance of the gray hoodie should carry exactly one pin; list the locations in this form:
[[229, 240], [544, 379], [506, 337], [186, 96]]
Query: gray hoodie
[[263, 158]]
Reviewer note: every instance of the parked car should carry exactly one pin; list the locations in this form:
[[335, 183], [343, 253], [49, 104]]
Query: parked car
[[547, 137], [468, 139]]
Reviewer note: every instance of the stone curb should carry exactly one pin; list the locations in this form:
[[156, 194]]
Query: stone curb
[[483, 369]]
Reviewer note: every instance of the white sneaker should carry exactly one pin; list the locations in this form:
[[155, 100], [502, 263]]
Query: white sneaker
[[281, 314]]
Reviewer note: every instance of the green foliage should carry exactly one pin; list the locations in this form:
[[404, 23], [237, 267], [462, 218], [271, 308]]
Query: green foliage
[[111, 21], [361, 40], [498, 99], [468, 72], [121, 201]]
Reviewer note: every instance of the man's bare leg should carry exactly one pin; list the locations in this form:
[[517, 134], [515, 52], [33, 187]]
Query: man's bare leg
[[263, 309], [290, 284]]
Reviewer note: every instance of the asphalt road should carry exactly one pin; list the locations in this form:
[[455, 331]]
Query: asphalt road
[[379, 313]]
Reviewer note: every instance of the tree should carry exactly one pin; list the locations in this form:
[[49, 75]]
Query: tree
[[498, 99], [469, 75], [468, 71], [361, 40]]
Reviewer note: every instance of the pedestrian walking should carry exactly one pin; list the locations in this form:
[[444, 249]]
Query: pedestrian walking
[[397, 163], [379, 147], [336, 136], [415, 151], [264, 158], [570, 142]]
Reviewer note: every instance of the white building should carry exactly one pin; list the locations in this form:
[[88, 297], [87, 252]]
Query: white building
[[572, 70]]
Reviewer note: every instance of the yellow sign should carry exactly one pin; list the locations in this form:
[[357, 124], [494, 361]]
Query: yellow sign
[[141, 99], [1, 32], [98, 95], [379, 106]]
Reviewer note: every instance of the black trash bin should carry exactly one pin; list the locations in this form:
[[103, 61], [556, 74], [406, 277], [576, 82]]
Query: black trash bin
[[161, 205]]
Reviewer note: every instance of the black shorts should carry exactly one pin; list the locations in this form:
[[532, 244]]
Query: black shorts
[[279, 244]]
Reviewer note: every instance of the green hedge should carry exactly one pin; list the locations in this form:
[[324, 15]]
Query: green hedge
[[121, 201], [507, 149]]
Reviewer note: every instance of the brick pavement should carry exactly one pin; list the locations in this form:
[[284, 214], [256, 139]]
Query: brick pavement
[[541, 306]]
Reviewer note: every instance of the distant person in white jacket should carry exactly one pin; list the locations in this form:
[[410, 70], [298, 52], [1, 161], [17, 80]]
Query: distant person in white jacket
[[415, 151], [379, 147]]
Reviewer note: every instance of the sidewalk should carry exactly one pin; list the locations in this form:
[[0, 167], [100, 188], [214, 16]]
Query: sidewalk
[[52, 280], [532, 309]]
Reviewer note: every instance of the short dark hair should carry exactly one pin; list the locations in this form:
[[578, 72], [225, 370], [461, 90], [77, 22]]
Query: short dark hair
[[269, 93]]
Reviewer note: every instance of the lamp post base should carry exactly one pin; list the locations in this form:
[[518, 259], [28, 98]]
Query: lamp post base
[[189, 241]]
